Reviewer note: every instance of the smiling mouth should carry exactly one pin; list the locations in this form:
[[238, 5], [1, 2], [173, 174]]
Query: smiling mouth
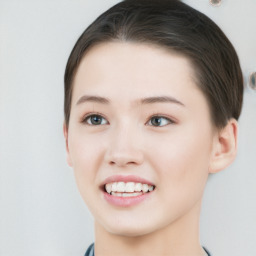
[[127, 189]]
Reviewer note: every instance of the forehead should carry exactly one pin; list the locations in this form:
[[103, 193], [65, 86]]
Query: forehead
[[134, 70]]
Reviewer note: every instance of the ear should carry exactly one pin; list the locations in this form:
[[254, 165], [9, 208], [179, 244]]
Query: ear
[[65, 132], [224, 147]]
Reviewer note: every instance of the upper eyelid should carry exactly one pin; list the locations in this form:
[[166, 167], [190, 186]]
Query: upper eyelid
[[88, 115], [161, 116]]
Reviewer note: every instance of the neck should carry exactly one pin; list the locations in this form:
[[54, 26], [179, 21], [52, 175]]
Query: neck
[[178, 238]]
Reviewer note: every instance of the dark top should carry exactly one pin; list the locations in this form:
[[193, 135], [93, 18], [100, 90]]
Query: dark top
[[90, 251]]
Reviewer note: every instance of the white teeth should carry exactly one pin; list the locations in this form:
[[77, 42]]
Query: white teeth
[[114, 188], [150, 188], [116, 194], [126, 194], [129, 187], [108, 187], [131, 194], [138, 187], [145, 188], [120, 187]]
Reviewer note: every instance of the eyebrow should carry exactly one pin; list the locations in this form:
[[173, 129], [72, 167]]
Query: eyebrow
[[161, 99], [89, 98], [148, 100]]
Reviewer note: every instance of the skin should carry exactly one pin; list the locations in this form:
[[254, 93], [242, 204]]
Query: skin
[[176, 156]]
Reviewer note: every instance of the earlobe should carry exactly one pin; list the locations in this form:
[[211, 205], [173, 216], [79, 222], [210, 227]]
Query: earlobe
[[224, 147], [65, 132]]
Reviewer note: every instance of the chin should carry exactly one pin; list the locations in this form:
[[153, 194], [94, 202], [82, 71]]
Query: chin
[[129, 232], [128, 229]]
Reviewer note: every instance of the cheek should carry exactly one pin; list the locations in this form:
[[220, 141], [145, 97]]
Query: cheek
[[182, 160], [87, 154], [179, 149]]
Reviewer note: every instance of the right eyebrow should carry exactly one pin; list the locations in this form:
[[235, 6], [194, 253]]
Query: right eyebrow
[[89, 98]]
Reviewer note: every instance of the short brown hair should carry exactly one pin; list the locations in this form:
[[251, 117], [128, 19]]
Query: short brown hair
[[176, 26]]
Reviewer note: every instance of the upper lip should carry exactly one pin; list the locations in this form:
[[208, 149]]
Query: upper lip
[[127, 178]]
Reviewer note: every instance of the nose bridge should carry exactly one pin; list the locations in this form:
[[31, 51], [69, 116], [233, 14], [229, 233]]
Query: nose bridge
[[124, 145]]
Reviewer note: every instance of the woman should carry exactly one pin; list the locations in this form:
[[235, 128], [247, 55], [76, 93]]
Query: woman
[[153, 92]]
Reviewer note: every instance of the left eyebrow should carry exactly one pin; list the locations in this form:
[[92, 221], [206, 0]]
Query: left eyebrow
[[161, 99], [91, 98]]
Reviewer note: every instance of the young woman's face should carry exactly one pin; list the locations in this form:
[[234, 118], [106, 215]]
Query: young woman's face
[[137, 116]]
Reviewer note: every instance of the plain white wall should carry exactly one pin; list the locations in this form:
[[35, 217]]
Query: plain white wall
[[41, 211]]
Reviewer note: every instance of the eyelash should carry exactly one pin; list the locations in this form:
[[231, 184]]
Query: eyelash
[[170, 121], [87, 117]]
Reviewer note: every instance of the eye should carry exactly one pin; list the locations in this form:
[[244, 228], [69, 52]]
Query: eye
[[160, 121], [95, 120]]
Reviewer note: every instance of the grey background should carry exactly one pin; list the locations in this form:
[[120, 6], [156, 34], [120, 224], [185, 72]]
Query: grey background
[[41, 211]]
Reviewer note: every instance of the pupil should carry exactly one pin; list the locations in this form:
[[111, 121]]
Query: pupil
[[95, 120], [156, 121]]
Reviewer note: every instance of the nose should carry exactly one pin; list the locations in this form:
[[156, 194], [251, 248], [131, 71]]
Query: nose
[[124, 148]]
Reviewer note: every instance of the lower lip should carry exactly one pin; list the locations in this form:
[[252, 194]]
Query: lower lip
[[126, 201]]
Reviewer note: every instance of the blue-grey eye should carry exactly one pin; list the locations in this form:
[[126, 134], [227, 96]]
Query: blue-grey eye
[[159, 121], [95, 120]]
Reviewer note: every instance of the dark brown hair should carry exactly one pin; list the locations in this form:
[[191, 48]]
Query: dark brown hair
[[178, 27]]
